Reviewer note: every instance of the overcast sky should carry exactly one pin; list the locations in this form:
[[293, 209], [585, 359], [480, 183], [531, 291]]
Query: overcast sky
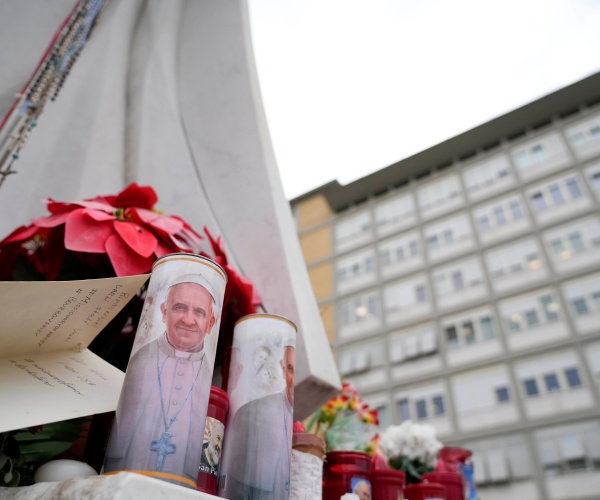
[[352, 86]]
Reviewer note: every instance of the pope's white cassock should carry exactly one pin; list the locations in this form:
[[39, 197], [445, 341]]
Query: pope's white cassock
[[159, 423]]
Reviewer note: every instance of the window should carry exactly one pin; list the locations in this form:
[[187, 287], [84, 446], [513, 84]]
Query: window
[[421, 405], [578, 139], [438, 405], [403, 410], [421, 293], [532, 318], [441, 284], [576, 242], [468, 332], [385, 257], [345, 307], [451, 336], [413, 247], [551, 381], [372, 305], [569, 448], [538, 153], [557, 196], [532, 261], [573, 378], [358, 309], [596, 299], [448, 238], [531, 388], [399, 254], [499, 214], [574, 188], [514, 323], [484, 223], [457, 280], [557, 246], [596, 179], [515, 209], [502, 394], [550, 308], [353, 227], [369, 264], [538, 201], [432, 241], [580, 306], [487, 328]]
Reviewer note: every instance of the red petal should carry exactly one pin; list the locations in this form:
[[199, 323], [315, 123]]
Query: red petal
[[99, 214], [165, 223], [20, 234], [139, 239], [84, 234], [124, 260], [180, 244], [137, 196], [52, 254], [162, 249], [55, 207], [97, 204], [52, 220]]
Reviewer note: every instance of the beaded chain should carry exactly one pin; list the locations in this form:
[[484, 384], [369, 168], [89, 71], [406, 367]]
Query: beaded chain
[[48, 79]]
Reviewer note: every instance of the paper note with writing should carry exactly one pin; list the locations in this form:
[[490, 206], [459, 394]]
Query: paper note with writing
[[46, 372]]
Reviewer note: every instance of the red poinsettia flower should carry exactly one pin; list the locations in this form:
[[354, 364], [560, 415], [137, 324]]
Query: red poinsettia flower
[[124, 227]]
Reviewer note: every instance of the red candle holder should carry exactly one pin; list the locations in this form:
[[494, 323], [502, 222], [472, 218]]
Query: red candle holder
[[218, 406], [343, 470], [387, 484], [453, 482], [425, 491]]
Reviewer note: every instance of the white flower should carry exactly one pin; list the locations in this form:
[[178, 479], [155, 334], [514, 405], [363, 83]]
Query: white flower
[[415, 441]]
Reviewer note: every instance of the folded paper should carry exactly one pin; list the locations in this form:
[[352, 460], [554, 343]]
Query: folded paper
[[47, 374]]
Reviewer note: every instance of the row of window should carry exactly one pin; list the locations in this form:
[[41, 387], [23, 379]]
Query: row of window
[[560, 450], [422, 408], [551, 382], [534, 318], [546, 200], [534, 158], [403, 254], [409, 299]]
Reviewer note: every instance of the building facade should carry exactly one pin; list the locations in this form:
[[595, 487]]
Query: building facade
[[461, 287]]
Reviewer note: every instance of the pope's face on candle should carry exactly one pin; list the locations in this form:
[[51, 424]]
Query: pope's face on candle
[[287, 363], [216, 440], [188, 315], [363, 490]]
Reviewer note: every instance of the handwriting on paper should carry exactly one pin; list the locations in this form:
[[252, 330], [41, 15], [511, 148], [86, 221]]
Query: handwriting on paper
[[70, 372], [96, 319]]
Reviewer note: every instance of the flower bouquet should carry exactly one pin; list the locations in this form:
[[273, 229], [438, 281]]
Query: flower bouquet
[[345, 421], [412, 448]]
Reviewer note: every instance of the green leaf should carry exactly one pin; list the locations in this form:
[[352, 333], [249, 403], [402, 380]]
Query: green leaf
[[42, 452]]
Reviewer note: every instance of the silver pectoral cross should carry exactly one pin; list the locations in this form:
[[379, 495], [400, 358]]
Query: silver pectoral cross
[[162, 447]]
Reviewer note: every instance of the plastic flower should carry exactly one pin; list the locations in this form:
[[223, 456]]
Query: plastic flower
[[378, 458], [345, 421], [125, 227]]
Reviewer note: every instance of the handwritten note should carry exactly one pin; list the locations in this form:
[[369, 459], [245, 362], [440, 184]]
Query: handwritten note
[[47, 373]]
